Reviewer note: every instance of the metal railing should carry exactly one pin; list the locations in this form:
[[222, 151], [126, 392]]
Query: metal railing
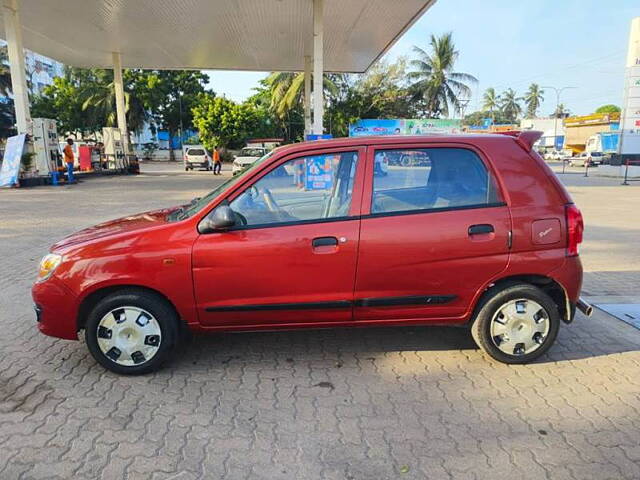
[[627, 164]]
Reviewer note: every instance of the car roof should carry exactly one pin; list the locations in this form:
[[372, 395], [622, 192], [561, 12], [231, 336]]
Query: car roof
[[399, 140]]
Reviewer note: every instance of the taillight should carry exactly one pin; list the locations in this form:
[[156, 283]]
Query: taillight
[[575, 227]]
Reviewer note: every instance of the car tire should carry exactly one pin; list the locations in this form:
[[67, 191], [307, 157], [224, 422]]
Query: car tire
[[136, 349], [530, 330]]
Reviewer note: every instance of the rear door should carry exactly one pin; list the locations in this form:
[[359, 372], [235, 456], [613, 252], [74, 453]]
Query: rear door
[[434, 229]]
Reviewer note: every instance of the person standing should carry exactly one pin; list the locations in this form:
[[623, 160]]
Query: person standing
[[69, 159], [217, 162]]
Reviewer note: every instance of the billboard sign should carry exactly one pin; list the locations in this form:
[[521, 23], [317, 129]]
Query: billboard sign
[[11, 160], [629, 143], [421, 126]]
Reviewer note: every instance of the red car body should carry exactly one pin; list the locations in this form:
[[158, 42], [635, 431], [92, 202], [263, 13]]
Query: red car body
[[268, 278]]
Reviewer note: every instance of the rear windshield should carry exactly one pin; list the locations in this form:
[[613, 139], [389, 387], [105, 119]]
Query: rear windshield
[[252, 152], [195, 151]]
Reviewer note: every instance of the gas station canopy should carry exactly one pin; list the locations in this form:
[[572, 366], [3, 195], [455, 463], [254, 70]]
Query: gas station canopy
[[260, 35]]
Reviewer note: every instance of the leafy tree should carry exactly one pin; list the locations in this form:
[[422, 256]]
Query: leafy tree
[[477, 118], [287, 90], [491, 101], [222, 122], [510, 105], [5, 73], [608, 109], [7, 118], [435, 81], [532, 99]]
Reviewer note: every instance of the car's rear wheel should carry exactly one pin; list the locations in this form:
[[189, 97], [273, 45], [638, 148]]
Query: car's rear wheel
[[131, 332], [516, 324]]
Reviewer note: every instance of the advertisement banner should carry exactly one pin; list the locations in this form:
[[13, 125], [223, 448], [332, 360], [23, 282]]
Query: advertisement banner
[[421, 126], [11, 161], [319, 172], [630, 122]]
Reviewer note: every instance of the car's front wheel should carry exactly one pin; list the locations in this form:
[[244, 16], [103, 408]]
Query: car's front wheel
[[132, 332], [516, 324]]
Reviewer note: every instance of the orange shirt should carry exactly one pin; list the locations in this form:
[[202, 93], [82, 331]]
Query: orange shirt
[[216, 156], [68, 153]]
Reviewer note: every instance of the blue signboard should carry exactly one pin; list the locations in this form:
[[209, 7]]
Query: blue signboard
[[11, 161], [315, 136], [319, 172], [559, 142]]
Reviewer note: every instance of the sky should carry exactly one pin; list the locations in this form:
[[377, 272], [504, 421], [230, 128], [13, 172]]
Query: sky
[[507, 43]]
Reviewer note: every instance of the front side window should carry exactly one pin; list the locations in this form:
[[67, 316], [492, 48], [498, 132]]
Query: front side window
[[307, 188], [432, 178]]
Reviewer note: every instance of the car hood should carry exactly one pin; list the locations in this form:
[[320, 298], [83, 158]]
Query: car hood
[[246, 159], [131, 223]]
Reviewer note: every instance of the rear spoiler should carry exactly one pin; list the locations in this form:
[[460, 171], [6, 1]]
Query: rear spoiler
[[524, 138]]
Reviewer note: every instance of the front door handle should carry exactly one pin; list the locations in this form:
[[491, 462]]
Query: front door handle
[[480, 229], [324, 242]]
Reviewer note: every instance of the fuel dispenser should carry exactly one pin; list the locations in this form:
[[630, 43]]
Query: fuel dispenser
[[44, 134], [113, 148]]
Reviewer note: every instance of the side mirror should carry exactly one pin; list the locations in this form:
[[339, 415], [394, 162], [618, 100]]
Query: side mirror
[[219, 219]]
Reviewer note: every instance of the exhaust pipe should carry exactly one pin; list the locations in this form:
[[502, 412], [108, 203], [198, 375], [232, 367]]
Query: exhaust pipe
[[584, 307]]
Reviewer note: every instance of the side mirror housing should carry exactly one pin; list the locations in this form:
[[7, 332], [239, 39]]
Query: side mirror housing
[[222, 218]]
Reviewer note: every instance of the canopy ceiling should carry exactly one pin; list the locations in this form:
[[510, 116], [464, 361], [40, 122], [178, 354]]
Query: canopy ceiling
[[261, 35]]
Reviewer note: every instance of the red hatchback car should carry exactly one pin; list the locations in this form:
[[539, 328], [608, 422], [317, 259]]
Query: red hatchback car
[[479, 232]]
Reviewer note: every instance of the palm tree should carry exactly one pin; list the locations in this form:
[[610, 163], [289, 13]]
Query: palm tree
[[491, 101], [510, 105], [435, 81], [287, 90], [532, 99], [560, 111]]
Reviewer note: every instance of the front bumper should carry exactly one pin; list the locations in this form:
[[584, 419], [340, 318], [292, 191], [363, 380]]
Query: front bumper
[[56, 309]]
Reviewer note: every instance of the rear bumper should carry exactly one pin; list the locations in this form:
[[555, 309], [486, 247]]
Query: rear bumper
[[56, 308]]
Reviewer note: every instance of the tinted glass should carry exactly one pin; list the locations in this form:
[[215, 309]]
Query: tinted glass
[[306, 188], [195, 151], [433, 178]]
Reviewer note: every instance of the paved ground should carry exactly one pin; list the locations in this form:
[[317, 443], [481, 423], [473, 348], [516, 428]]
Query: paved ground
[[397, 403]]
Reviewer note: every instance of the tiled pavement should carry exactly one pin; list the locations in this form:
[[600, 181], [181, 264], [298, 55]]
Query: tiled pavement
[[397, 403]]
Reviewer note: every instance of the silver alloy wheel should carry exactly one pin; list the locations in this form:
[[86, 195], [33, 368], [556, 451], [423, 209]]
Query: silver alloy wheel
[[129, 336], [520, 327]]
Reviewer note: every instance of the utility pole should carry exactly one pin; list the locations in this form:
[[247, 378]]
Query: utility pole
[[555, 123]]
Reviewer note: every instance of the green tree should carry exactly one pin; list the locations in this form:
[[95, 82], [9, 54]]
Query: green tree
[[608, 109], [491, 101], [435, 81], [287, 90], [532, 99], [5, 73], [510, 105], [222, 122]]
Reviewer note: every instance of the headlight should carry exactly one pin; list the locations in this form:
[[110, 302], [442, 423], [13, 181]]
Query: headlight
[[48, 265]]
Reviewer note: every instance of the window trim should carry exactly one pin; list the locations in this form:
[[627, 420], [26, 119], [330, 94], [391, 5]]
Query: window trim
[[368, 188], [356, 197]]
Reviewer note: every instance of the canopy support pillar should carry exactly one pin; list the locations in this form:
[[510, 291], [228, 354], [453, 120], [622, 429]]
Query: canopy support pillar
[[318, 66], [121, 111], [307, 95], [15, 50]]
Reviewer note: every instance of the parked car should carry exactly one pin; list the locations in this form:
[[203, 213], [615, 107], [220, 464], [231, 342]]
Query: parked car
[[459, 243], [247, 156], [197, 157], [590, 158], [554, 155]]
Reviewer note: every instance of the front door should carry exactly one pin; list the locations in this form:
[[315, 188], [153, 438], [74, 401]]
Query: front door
[[291, 258], [435, 229]]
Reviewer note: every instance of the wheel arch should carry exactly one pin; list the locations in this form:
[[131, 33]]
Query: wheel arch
[[547, 284], [92, 299]]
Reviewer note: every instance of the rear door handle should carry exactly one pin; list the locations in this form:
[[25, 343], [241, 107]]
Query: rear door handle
[[480, 228], [324, 242]]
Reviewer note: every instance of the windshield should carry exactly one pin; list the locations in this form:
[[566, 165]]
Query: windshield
[[195, 151], [198, 204], [252, 152]]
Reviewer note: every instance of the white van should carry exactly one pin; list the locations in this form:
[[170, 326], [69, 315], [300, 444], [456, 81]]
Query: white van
[[196, 156]]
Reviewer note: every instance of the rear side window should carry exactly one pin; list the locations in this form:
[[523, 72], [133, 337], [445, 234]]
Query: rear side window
[[432, 179], [195, 151]]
